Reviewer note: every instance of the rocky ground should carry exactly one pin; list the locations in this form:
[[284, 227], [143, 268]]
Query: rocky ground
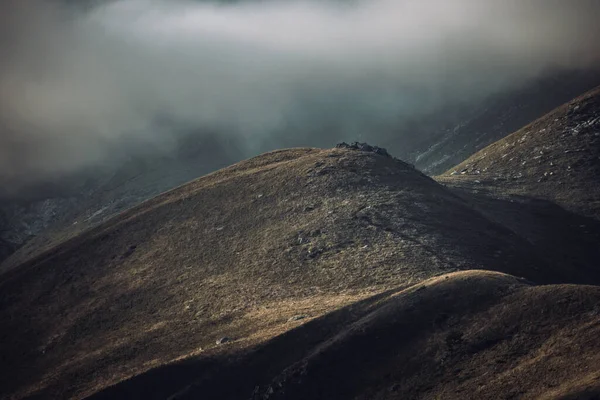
[[307, 273]]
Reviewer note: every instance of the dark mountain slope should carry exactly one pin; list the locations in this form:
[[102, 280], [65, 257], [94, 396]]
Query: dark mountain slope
[[6, 248], [470, 335], [476, 127], [63, 209], [433, 142], [467, 335], [556, 158], [236, 253]]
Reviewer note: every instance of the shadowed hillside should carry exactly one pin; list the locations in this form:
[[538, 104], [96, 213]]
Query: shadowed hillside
[[467, 335], [496, 118], [248, 253], [176, 223], [555, 158]]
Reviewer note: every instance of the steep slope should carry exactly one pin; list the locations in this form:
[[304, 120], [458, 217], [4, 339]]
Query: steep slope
[[556, 158], [433, 142], [466, 335], [450, 142], [477, 335], [47, 215], [237, 253], [6, 248]]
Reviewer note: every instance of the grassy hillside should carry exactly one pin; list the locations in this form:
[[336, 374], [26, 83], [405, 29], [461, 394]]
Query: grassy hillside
[[556, 158], [41, 216], [237, 253], [466, 335], [333, 274]]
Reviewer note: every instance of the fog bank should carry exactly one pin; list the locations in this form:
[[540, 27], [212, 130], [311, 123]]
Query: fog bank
[[80, 88]]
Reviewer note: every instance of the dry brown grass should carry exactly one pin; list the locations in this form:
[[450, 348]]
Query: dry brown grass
[[237, 253], [474, 334], [466, 335], [469, 335]]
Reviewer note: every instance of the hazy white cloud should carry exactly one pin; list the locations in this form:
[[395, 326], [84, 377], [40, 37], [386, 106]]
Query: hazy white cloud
[[76, 87]]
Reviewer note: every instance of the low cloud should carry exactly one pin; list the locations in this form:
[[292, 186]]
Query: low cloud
[[80, 88]]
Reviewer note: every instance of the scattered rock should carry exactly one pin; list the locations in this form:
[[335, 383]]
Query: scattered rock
[[364, 147], [296, 318], [223, 340], [313, 252], [129, 251]]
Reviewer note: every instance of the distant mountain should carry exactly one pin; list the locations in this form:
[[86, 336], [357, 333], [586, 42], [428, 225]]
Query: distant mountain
[[63, 208], [453, 137], [308, 273], [556, 158], [76, 203], [6, 249]]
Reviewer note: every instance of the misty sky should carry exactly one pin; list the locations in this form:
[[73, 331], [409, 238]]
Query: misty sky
[[79, 86]]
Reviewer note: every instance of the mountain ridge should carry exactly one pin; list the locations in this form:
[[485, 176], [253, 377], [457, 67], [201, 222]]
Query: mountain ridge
[[555, 158], [433, 143], [295, 273]]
